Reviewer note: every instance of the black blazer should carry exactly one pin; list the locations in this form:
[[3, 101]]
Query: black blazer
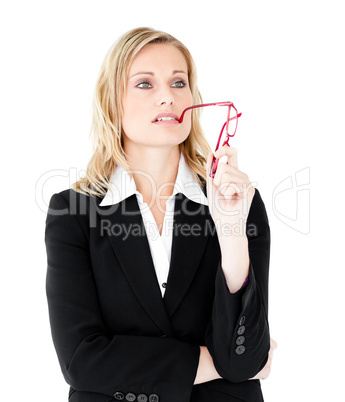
[[117, 338]]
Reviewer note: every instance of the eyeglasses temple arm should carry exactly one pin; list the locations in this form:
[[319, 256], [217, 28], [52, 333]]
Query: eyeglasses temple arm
[[202, 105]]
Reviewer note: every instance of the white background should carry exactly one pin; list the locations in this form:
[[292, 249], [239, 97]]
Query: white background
[[282, 64]]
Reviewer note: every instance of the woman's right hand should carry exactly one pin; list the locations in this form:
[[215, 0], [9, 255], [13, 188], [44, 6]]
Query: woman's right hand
[[206, 370], [265, 372]]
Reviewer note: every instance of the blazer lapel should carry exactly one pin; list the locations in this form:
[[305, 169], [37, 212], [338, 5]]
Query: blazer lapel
[[190, 235], [189, 240], [134, 256]]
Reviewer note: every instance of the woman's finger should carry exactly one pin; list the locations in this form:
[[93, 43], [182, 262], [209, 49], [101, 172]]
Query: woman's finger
[[230, 152], [224, 169]]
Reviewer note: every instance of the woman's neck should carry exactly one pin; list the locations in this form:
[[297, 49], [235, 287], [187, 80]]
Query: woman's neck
[[154, 170]]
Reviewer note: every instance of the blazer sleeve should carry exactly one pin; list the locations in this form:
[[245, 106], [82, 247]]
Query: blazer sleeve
[[90, 358], [237, 335]]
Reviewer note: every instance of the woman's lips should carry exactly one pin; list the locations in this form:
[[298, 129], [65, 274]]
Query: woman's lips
[[166, 122], [166, 119]]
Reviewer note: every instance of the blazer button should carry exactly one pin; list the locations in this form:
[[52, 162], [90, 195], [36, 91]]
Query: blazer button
[[242, 319], [241, 330], [142, 398], [130, 397], [153, 398], [119, 396], [240, 340], [240, 349]]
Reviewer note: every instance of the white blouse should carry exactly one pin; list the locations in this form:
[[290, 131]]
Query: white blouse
[[122, 187]]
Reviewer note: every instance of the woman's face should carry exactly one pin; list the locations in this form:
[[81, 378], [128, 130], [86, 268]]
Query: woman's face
[[157, 83]]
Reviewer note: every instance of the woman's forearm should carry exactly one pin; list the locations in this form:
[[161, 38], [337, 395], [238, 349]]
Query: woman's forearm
[[206, 370], [235, 262]]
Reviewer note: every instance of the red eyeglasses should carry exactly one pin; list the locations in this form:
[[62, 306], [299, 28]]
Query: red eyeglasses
[[230, 124]]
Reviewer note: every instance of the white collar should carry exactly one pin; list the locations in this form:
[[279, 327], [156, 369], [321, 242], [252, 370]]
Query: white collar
[[122, 186]]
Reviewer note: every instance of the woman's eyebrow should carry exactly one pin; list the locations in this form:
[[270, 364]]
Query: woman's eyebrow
[[150, 73]]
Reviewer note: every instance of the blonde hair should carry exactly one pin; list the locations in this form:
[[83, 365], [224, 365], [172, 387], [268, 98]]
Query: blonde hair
[[106, 125]]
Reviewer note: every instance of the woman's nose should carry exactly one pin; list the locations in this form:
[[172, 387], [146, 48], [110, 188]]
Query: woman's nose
[[166, 98], [167, 101]]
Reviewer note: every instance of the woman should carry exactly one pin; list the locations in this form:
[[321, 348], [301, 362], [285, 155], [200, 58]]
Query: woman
[[150, 297]]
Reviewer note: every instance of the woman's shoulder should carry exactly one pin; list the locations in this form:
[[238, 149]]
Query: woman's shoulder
[[257, 216], [257, 206], [72, 200], [69, 208], [66, 199], [67, 220]]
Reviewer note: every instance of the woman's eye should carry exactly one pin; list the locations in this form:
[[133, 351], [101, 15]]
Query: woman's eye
[[147, 84], [144, 84], [179, 84]]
